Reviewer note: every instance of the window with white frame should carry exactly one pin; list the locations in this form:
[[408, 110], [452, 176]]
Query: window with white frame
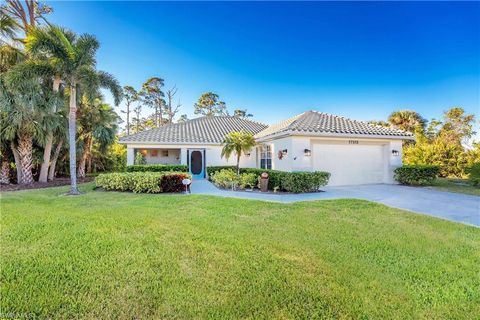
[[265, 157]]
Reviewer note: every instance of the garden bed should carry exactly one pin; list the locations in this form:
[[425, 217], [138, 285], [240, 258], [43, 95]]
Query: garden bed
[[58, 182]]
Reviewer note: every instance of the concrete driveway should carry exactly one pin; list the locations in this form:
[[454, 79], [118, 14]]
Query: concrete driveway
[[446, 205]]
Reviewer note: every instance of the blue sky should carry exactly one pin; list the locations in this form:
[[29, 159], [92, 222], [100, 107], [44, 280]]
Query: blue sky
[[361, 60]]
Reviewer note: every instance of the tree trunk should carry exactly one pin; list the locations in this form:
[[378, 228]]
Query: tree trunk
[[89, 156], [51, 171], [238, 164], [5, 171], [47, 151], [128, 119], [81, 165], [25, 148], [18, 163], [72, 131]]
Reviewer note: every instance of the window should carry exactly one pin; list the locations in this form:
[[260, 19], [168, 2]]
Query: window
[[165, 153], [154, 153], [265, 157]]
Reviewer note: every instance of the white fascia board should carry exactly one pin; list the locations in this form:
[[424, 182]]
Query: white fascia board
[[153, 143], [332, 135]]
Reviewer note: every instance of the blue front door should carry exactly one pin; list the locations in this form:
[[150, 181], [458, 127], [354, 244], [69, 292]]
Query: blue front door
[[197, 164]]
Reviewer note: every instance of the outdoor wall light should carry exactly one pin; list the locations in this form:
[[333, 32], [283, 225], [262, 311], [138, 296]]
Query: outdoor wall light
[[247, 154], [395, 153], [285, 152], [307, 152]]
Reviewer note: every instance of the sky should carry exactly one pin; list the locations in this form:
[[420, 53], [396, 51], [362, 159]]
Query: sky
[[278, 59]]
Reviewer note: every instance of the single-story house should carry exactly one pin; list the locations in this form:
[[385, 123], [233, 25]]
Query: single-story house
[[354, 152]]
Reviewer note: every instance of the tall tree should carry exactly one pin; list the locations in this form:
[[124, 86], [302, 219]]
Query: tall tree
[[136, 126], [153, 96], [209, 105], [171, 109], [182, 118], [457, 126], [237, 142], [27, 13], [97, 125], [131, 96], [406, 120], [73, 58], [242, 113]]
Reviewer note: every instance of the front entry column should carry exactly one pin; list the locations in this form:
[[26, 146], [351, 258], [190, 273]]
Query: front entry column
[[183, 156], [130, 156]]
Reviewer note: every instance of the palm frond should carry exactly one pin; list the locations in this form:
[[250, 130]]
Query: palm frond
[[85, 48], [108, 81]]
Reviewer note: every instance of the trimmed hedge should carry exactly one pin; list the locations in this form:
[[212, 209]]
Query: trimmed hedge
[[474, 175], [142, 182], [157, 168], [281, 180], [305, 181], [416, 174]]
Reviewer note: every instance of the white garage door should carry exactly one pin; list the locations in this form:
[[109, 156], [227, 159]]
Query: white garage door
[[350, 164]]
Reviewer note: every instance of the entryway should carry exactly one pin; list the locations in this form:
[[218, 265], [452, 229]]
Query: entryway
[[196, 163]]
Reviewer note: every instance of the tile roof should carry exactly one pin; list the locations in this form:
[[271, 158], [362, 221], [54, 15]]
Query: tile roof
[[200, 130], [323, 123]]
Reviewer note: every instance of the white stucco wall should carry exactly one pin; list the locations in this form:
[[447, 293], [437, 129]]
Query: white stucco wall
[[284, 164], [296, 160], [172, 158], [212, 154]]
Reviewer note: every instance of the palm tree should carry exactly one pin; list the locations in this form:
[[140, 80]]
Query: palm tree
[[24, 106], [406, 120], [237, 142], [98, 125], [73, 59]]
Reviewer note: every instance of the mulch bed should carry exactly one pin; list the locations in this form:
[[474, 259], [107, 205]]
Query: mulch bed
[[58, 182]]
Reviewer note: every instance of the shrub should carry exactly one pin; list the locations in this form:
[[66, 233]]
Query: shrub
[[248, 180], [211, 170], [157, 168], [142, 182], [275, 177], [474, 175], [172, 182], [226, 178], [305, 181], [416, 174], [140, 159]]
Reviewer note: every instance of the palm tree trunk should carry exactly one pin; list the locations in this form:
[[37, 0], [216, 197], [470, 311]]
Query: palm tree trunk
[[5, 171], [47, 151], [238, 163], [51, 171], [18, 163], [81, 165], [89, 157], [72, 130], [25, 148]]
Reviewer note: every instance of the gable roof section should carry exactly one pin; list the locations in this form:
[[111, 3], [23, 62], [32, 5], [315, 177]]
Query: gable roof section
[[318, 123], [199, 130]]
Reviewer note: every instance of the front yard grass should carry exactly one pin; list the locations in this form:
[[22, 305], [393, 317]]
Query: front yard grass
[[107, 255], [455, 185]]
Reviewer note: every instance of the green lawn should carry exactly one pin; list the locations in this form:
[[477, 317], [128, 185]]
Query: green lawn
[[126, 256], [452, 185]]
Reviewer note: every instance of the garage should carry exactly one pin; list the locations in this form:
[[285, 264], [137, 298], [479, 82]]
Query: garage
[[350, 164]]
